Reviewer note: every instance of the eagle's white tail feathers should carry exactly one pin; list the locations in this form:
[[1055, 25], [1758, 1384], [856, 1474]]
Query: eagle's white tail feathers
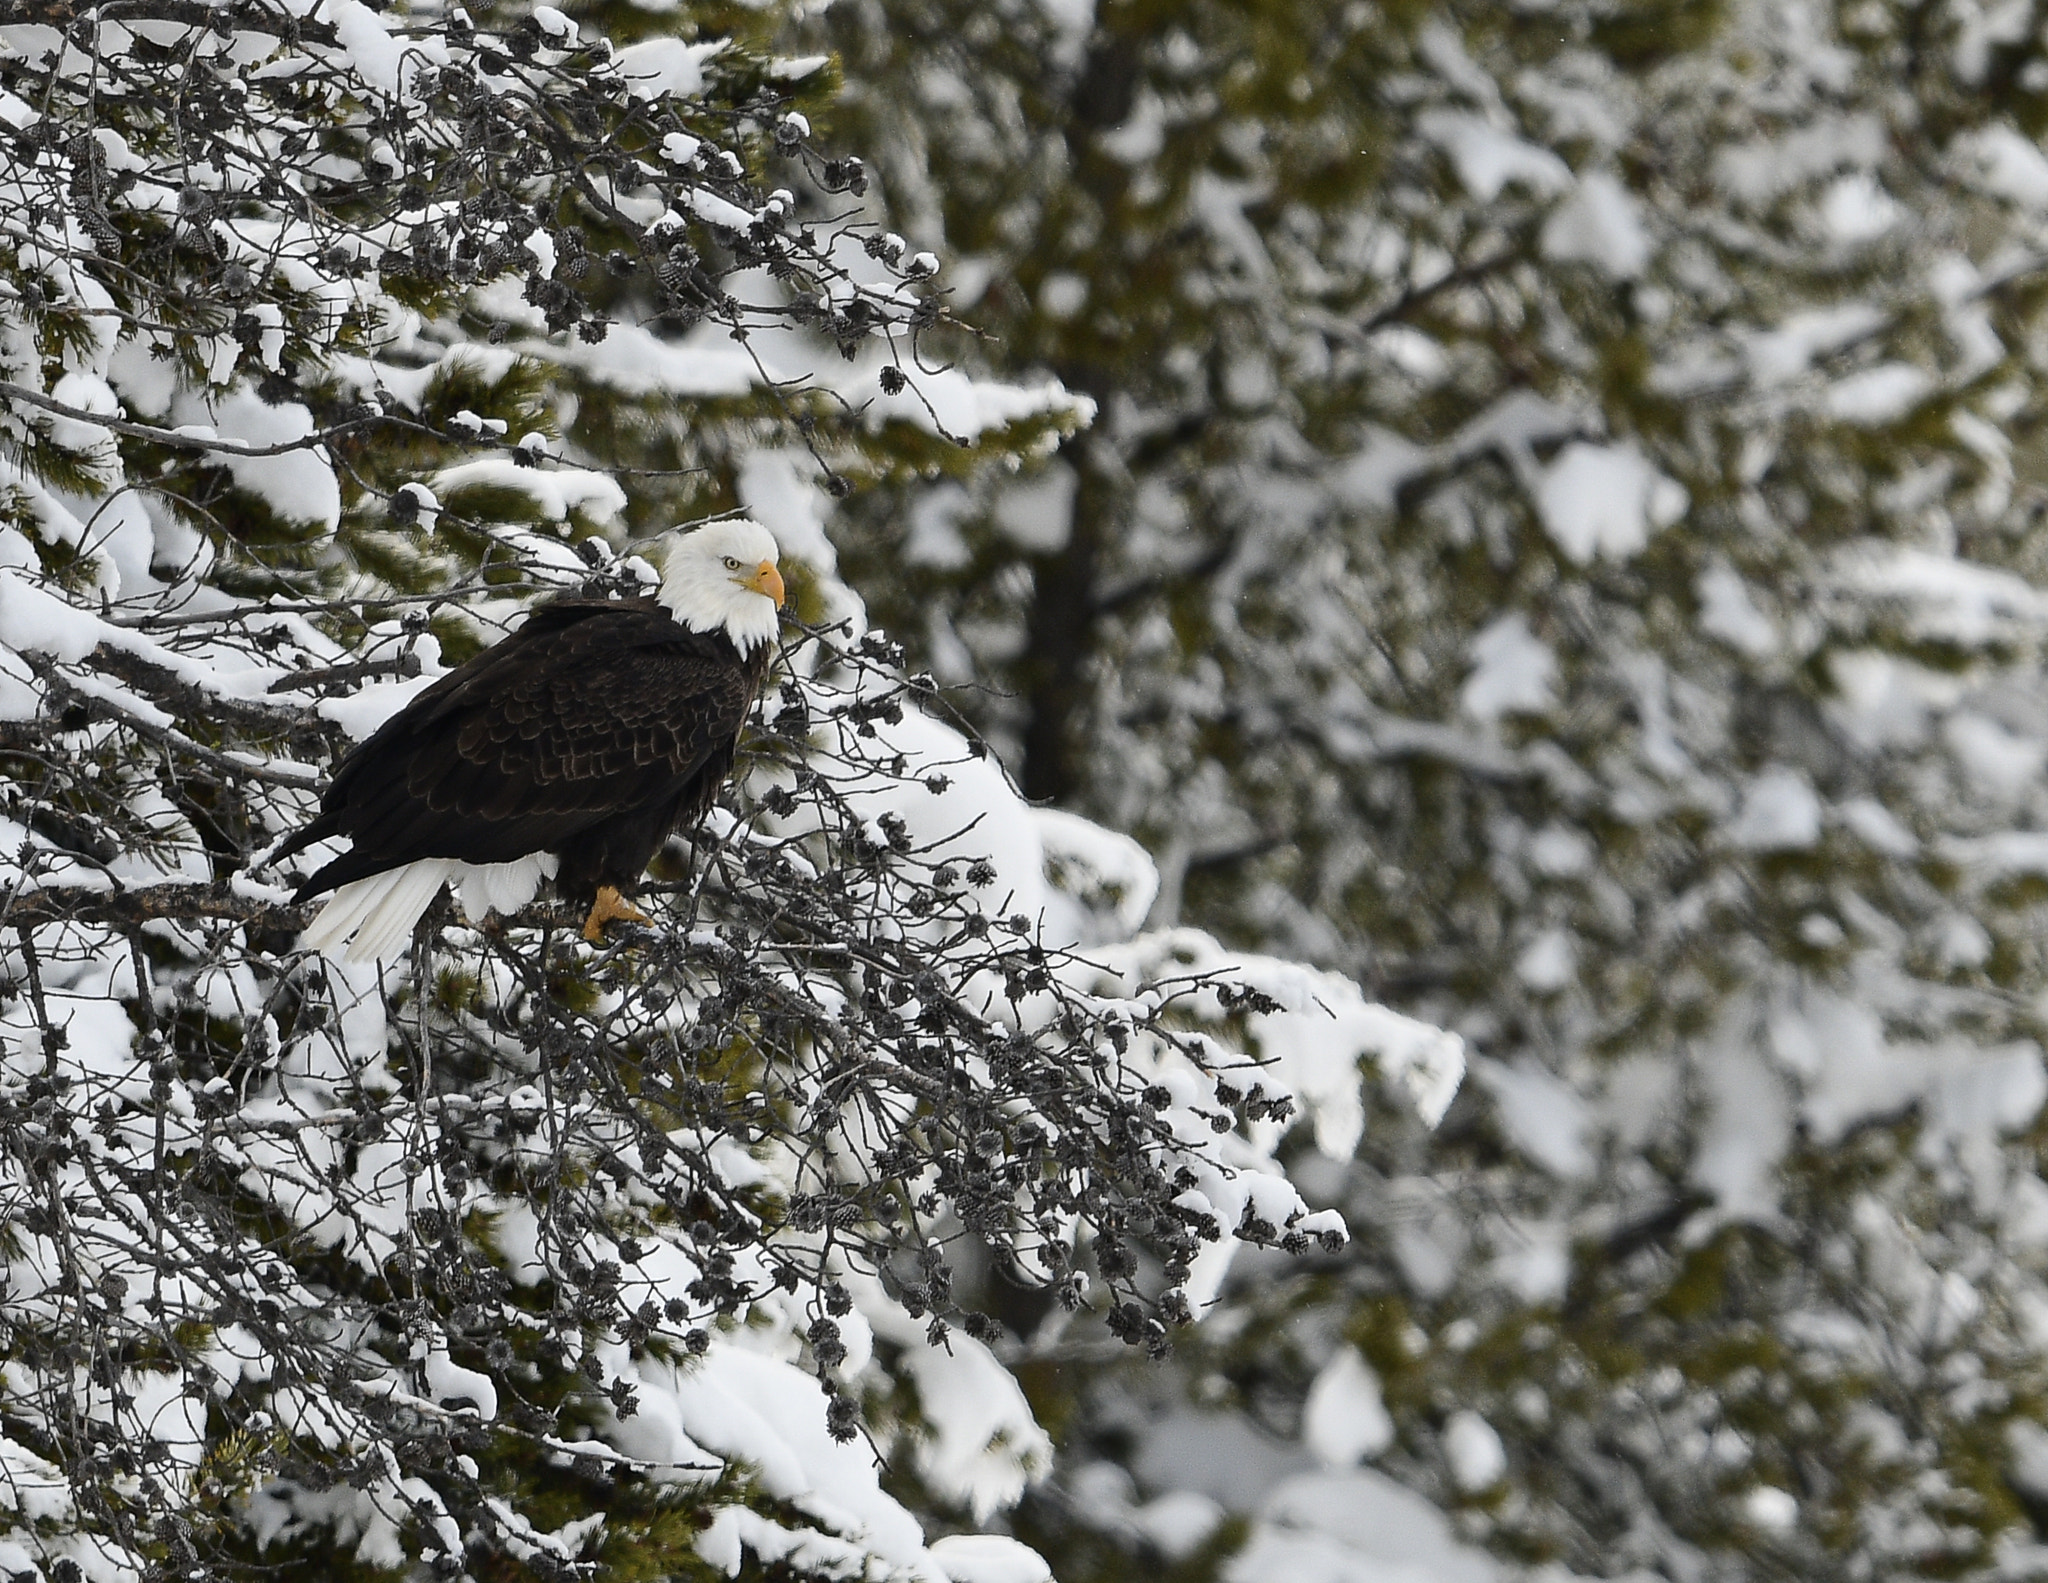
[[504, 887], [340, 917], [379, 911]]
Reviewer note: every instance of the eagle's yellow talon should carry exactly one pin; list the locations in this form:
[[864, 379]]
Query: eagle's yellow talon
[[609, 905]]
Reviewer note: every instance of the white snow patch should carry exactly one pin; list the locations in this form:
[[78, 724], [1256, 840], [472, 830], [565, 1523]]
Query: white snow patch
[[1370, 479], [1727, 612], [554, 492], [1037, 513], [1771, 1509], [1780, 813], [1355, 1527], [298, 485], [1946, 598], [1345, 1419], [1472, 1447], [1768, 167], [2005, 163], [1488, 159], [1599, 224], [1748, 1127], [1513, 671], [665, 66], [1106, 881], [1856, 209], [1606, 500], [1997, 763], [1178, 1523], [1875, 396], [989, 1558], [982, 1446], [1543, 1116], [1782, 354], [1548, 962], [769, 1414]]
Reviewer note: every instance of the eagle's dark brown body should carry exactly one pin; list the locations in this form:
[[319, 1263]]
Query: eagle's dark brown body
[[592, 732]]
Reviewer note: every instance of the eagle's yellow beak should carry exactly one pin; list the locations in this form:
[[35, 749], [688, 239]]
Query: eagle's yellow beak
[[766, 580]]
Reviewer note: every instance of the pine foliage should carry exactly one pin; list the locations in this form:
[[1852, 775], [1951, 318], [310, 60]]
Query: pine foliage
[[1562, 543], [332, 339]]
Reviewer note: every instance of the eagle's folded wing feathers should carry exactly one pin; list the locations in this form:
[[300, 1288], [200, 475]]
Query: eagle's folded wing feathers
[[560, 727]]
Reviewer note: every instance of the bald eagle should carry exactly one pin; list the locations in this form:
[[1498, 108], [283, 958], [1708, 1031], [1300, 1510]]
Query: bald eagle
[[571, 749]]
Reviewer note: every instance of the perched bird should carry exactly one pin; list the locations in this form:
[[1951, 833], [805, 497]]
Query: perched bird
[[571, 749]]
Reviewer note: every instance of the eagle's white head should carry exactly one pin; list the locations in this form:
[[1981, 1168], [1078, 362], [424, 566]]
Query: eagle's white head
[[722, 578]]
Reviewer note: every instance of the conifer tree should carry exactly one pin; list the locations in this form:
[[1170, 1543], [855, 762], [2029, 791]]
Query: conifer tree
[[333, 338], [1560, 542]]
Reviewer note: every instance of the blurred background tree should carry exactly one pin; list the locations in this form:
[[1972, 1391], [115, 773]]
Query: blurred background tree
[[328, 344], [1560, 541]]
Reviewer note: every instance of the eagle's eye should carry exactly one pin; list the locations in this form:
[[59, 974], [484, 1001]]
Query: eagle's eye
[[732, 563]]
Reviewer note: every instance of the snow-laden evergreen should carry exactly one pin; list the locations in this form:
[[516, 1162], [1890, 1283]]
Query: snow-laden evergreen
[[1561, 542], [333, 338]]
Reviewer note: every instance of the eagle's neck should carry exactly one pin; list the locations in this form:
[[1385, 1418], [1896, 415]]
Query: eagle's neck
[[717, 604]]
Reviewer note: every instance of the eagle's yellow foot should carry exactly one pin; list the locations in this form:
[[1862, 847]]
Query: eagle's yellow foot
[[609, 905]]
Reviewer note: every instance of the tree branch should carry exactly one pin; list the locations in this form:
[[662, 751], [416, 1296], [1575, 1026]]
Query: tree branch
[[176, 903], [177, 439]]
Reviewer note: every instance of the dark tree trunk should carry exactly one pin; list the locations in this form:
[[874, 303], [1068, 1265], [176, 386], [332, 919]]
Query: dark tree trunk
[[1061, 640], [1061, 636]]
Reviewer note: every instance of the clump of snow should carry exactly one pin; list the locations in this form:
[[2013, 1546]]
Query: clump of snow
[[1544, 1117], [660, 66], [1560, 851], [1998, 764], [1776, 356], [1599, 224], [1780, 813], [1945, 598], [1062, 294], [1100, 884], [982, 1446], [1729, 613], [1178, 1523], [554, 494], [1877, 396], [1882, 700], [1037, 513], [1748, 1126], [1488, 159], [952, 802], [780, 490], [1548, 962], [1473, 1448], [1856, 209], [2005, 163], [989, 1558], [1606, 500], [298, 485], [1414, 353], [1513, 671], [1764, 169], [744, 1405], [1774, 1510], [1345, 1419], [1355, 1527], [1850, 1071], [1370, 477], [1314, 1042]]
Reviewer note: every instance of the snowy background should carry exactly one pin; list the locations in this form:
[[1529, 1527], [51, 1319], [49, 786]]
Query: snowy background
[[1482, 1019]]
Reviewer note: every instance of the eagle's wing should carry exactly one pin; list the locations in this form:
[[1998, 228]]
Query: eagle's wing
[[581, 714]]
